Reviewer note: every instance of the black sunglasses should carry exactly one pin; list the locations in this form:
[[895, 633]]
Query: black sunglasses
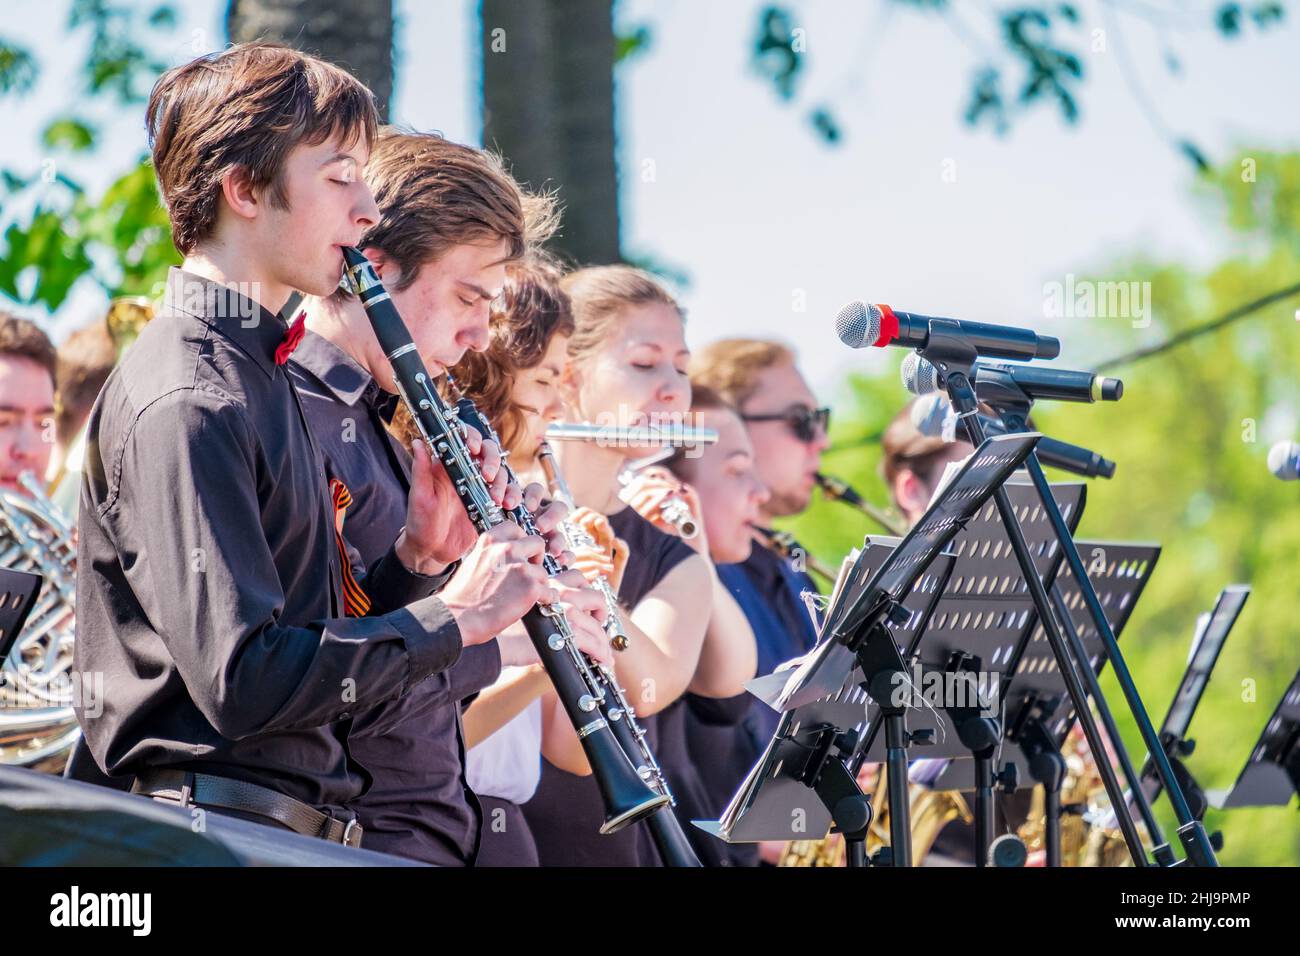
[[803, 421]]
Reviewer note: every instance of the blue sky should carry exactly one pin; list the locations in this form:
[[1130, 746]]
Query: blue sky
[[775, 229]]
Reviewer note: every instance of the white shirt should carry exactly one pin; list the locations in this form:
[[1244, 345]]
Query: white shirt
[[508, 764]]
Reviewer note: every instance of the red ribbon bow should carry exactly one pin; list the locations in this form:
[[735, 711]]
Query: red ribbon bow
[[291, 339]]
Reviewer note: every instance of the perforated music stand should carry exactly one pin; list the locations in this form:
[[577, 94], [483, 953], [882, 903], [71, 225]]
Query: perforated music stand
[[1272, 775], [1207, 644], [985, 613], [1119, 572], [18, 593], [824, 698]]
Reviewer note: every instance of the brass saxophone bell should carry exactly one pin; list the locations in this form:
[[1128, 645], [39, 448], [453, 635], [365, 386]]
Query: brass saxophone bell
[[127, 316]]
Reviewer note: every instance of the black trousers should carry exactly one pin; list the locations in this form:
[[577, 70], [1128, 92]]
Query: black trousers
[[505, 838]]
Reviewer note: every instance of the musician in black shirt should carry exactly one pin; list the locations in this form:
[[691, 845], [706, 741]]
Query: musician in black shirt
[[210, 589], [450, 221]]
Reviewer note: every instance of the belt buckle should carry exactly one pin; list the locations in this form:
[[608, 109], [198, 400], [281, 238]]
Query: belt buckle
[[352, 833]]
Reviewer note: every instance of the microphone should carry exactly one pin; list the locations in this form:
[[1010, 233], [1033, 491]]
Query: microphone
[[1038, 382], [1284, 460], [933, 416], [860, 325]]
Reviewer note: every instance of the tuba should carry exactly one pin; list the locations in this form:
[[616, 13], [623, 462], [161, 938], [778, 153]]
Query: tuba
[[37, 723]]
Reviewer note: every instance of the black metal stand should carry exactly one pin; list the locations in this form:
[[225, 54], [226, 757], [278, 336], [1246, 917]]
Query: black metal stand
[[1015, 419], [1046, 766], [954, 358]]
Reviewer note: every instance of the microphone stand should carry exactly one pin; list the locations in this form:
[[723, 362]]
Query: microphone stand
[[954, 357], [1013, 407]]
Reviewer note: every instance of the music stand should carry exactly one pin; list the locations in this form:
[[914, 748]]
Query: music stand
[[18, 593], [953, 356], [1272, 774], [815, 739], [975, 640], [1036, 726], [1211, 635]]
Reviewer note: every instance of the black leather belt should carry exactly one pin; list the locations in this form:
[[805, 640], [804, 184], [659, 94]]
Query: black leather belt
[[205, 790]]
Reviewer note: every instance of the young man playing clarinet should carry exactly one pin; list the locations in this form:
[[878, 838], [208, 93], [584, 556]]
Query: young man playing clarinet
[[210, 587], [450, 220]]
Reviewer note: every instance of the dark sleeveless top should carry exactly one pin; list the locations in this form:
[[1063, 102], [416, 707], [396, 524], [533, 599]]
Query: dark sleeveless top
[[566, 812], [704, 750]]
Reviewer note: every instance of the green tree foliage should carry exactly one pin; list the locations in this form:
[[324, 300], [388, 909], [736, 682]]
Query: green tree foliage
[[54, 232], [1036, 60], [1190, 437]]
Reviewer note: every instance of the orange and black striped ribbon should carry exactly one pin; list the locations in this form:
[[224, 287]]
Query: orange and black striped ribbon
[[355, 601]]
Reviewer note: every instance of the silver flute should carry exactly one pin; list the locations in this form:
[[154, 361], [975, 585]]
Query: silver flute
[[622, 436], [577, 537], [673, 508]]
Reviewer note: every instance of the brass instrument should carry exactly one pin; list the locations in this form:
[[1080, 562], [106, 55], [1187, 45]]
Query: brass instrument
[[837, 489], [127, 316], [931, 811], [37, 723], [1085, 841]]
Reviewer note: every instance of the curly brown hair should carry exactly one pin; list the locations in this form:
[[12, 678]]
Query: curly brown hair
[[531, 311]]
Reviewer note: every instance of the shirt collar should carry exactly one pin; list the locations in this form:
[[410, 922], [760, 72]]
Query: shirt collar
[[763, 564], [254, 329], [337, 371]]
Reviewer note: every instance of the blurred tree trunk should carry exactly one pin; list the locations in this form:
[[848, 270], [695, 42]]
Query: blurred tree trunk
[[548, 107], [355, 34]]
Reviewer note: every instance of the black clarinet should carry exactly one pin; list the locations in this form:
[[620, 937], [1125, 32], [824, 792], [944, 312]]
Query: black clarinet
[[665, 830], [626, 796]]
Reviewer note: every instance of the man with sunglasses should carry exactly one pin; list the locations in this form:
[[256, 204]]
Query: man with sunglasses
[[788, 431]]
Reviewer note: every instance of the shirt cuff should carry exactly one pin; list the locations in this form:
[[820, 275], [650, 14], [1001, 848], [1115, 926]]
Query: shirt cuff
[[433, 641], [390, 584], [478, 667]]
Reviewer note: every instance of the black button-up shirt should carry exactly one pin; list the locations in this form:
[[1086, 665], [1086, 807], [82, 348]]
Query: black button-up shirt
[[208, 587], [419, 803]]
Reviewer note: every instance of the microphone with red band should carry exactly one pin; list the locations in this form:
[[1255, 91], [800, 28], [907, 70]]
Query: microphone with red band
[[863, 324]]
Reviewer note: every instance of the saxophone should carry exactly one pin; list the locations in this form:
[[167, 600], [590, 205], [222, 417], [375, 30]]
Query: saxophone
[[37, 723], [931, 811], [1085, 840]]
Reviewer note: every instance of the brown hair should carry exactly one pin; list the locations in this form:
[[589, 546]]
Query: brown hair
[[904, 448], [731, 367], [532, 310], [245, 107], [600, 294], [22, 338], [84, 362], [434, 194]]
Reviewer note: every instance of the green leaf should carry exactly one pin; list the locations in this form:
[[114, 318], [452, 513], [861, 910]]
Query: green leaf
[[1228, 19], [18, 71], [71, 134], [628, 45]]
